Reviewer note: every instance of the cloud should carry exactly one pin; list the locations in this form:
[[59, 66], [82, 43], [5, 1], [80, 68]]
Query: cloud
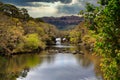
[[75, 6], [72, 8], [25, 2], [40, 8]]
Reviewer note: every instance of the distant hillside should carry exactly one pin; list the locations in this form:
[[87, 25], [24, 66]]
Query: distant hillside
[[64, 22]]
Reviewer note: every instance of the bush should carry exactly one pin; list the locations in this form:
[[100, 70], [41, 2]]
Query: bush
[[33, 42]]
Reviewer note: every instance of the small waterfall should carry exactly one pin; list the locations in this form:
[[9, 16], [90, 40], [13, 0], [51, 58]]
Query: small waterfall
[[58, 41]]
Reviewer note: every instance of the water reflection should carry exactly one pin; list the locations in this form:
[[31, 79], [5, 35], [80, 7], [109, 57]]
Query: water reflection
[[14, 66], [50, 65]]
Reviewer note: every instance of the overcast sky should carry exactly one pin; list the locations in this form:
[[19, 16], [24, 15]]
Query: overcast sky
[[40, 8]]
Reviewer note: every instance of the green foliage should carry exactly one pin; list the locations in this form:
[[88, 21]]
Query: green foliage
[[10, 37], [31, 41], [88, 39], [81, 12], [105, 21], [75, 37], [90, 7], [13, 11], [23, 13], [21, 33], [103, 2]]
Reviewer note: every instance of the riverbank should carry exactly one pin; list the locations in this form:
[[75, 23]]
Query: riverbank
[[28, 66]]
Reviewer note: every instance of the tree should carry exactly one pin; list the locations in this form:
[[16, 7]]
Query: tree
[[9, 10], [107, 23], [24, 14], [103, 2], [13, 11], [75, 37], [90, 7], [110, 32], [10, 38], [31, 42]]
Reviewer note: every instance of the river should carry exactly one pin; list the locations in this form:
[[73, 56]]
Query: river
[[58, 62]]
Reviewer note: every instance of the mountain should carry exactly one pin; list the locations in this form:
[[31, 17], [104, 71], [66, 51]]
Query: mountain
[[64, 22]]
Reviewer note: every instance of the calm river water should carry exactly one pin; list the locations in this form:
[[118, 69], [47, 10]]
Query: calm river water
[[55, 63]]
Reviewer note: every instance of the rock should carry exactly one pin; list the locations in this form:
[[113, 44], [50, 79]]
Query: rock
[[74, 52], [81, 52]]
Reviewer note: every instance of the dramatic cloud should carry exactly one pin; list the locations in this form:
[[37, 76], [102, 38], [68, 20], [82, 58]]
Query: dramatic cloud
[[40, 8], [75, 6], [24, 2]]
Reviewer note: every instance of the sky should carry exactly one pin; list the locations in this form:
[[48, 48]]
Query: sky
[[56, 8]]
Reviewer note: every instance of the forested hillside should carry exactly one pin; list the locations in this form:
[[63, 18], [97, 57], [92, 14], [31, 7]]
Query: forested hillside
[[21, 33], [64, 22], [101, 33]]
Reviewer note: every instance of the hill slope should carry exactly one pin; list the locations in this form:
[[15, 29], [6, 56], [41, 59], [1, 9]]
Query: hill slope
[[64, 22], [21, 33]]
